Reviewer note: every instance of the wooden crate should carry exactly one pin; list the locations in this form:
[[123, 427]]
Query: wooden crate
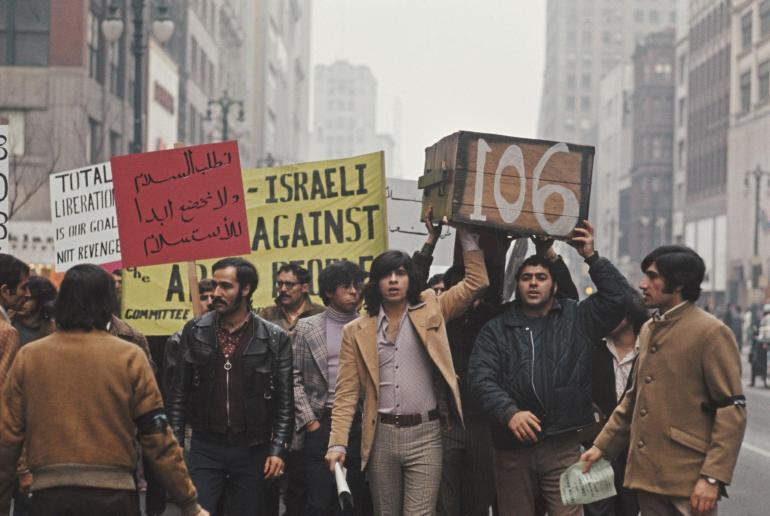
[[522, 186]]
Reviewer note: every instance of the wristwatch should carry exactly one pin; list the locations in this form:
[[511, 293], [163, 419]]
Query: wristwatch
[[712, 481]]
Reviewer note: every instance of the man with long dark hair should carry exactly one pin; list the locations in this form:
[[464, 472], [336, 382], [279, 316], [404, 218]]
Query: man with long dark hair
[[685, 415], [232, 382], [101, 394], [530, 370], [398, 357]]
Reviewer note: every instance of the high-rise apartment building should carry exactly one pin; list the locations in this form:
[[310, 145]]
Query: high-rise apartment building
[[707, 63], [613, 164], [748, 171], [277, 77], [64, 91], [345, 113], [653, 137], [584, 41]]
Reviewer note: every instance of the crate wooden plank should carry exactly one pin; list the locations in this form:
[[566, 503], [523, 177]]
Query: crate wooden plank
[[519, 185]]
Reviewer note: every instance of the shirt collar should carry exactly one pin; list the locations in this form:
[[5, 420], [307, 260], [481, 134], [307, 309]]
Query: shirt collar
[[614, 351], [670, 312], [237, 329], [381, 315]]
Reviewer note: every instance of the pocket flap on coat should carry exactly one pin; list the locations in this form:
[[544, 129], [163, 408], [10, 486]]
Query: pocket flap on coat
[[688, 440]]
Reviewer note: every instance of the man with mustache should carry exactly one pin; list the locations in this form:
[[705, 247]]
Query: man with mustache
[[293, 300], [233, 384], [684, 417], [530, 370]]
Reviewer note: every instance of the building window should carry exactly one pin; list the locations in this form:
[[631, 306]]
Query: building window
[[682, 107], [763, 80], [116, 149], [570, 103], [638, 16], [94, 50], [94, 140], [585, 103], [571, 83], [586, 80], [764, 18], [24, 28], [745, 90], [746, 27], [117, 62]]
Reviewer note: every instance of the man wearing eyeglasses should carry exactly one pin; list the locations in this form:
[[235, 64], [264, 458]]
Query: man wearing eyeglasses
[[293, 300]]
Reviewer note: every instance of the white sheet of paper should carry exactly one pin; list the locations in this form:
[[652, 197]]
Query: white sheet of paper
[[343, 491], [597, 484]]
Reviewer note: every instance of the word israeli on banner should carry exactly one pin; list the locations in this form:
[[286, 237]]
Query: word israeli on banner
[[84, 219], [4, 187], [180, 204], [311, 214], [578, 488]]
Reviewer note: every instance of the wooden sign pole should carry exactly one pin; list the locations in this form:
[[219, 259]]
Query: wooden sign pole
[[192, 273]]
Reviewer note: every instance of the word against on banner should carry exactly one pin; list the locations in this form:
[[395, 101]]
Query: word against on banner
[[4, 201]]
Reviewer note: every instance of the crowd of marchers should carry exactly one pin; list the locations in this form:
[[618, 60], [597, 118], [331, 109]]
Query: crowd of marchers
[[432, 396]]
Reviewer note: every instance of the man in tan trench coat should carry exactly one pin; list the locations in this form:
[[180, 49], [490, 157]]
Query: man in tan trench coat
[[685, 415]]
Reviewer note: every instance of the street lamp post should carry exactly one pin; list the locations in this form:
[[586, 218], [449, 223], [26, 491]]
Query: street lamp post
[[225, 103], [162, 27], [757, 175]]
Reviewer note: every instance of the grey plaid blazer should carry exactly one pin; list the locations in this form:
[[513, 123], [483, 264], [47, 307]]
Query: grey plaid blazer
[[311, 373]]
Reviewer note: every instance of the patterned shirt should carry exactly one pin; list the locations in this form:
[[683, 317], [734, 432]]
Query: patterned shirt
[[406, 371]]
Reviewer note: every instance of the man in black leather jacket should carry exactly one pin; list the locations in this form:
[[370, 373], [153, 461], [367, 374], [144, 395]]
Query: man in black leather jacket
[[233, 385], [530, 370]]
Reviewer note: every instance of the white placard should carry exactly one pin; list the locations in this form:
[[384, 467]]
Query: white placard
[[83, 215], [5, 204], [578, 488]]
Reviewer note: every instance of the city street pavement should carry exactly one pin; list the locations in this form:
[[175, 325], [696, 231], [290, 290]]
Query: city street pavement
[[749, 494]]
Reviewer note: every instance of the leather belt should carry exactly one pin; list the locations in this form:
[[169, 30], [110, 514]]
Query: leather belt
[[408, 419]]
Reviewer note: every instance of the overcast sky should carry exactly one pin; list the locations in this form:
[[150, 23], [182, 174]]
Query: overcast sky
[[452, 64]]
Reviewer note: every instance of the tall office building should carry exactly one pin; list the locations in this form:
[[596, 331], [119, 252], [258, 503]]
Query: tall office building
[[653, 135], [749, 153], [584, 41], [345, 113], [704, 213]]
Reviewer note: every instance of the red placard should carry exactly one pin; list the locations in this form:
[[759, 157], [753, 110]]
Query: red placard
[[180, 204]]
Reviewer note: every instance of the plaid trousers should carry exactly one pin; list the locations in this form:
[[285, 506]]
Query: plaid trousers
[[404, 469]]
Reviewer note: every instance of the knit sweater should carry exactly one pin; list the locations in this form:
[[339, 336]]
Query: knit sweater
[[334, 323], [73, 398]]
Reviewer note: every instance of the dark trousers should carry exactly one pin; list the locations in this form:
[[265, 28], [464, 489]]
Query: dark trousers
[[468, 475], [227, 465], [321, 488], [84, 501], [20, 502], [295, 491]]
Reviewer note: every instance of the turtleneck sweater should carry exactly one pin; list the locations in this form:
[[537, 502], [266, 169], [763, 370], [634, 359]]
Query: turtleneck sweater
[[335, 321]]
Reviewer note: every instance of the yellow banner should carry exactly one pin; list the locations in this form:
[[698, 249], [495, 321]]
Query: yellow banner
[[311, 213]]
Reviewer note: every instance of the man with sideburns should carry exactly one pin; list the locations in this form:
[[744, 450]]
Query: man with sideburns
[[398, 359], [232, 382], [685, 415]]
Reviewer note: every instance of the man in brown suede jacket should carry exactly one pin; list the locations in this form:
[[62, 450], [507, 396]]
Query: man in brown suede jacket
[[78, 399]]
